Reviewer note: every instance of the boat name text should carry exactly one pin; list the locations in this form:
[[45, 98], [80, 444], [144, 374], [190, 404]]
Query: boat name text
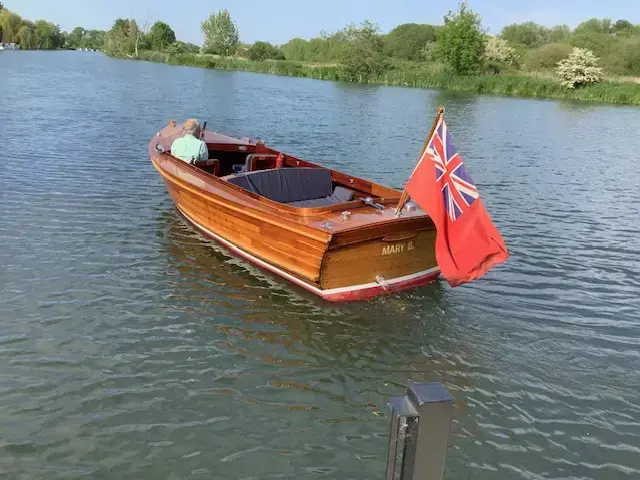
[[397, 248]]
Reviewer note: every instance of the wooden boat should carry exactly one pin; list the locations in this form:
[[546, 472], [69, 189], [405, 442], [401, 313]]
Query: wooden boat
[[329, 232]]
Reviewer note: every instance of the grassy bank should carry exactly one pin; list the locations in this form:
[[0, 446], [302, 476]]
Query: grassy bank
[[419, 75]]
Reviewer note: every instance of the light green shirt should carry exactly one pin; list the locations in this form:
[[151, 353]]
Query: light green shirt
[[189, 148]]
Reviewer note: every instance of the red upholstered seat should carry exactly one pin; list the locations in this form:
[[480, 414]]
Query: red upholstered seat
[[211, 166]]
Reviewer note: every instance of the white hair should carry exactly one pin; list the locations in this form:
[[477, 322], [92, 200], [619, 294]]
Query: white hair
[[192, 127]]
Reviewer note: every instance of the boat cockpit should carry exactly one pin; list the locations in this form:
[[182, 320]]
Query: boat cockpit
[[284, 180], [281, 178], [300, 187]]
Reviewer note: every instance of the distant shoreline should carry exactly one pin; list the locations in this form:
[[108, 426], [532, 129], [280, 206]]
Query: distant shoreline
[[418, 76]]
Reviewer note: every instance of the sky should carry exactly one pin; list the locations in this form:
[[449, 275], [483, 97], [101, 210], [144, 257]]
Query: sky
[[277, 21]]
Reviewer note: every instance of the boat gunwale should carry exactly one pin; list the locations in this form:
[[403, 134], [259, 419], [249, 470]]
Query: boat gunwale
[[300, 211], [307, 230], [265, 207], [295, 214]]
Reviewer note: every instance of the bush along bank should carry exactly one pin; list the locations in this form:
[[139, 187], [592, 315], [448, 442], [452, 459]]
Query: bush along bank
[[416, 75]]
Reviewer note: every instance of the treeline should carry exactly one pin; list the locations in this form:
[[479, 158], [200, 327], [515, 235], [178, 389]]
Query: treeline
[[82, 38], [43, 35], [126, 39], [533, 47], [616, 44], [362, 50], [460, 44], [29, 35], [410, 41]]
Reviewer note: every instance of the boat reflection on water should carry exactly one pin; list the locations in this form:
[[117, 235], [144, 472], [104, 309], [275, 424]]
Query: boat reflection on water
[[393, 339]]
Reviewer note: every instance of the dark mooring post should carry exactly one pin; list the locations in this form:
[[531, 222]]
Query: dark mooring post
[[420, 425]]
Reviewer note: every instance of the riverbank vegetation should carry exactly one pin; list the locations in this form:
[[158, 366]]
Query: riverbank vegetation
[[125, 36], [596, 61], [29, 35], [599, 60], [420, 75], [43, 35]]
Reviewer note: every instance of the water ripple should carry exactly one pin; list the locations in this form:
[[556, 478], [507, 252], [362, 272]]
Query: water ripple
[[131, 347]]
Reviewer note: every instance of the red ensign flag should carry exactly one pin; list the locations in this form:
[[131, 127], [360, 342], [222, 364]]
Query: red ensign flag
[[467, 242]]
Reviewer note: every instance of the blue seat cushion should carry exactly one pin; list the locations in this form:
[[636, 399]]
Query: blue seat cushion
[[286, 185], [339, 195], [298, 187], [243, 182]]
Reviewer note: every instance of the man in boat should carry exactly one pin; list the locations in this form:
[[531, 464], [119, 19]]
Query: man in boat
[[190, 148]]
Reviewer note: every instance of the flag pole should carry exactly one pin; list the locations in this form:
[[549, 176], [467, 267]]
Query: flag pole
[[405, 195]]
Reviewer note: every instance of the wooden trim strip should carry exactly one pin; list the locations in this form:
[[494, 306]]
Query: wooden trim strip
[[399, 238]]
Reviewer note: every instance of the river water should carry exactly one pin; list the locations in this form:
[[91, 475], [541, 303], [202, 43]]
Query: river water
[[131, 347]]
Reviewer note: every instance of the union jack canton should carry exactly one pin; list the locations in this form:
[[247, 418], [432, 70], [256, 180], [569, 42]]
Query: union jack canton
[[458, 189]]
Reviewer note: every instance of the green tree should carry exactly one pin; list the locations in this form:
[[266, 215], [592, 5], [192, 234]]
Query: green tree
[[296, 49], [609, 48], [26, 36], [182, 47], [95, 39], [595, 25], [318, 50], [76, 37], [462, 41], [11, 24], [175, 48], [264, 51], [430, 52], [529, 33], [48, 35], [324, 48], [622, 25], [625, 28], [600, 43], [81, 38], [161, 36], [559, 33], [364, 55], [220, 34], [190, 47], [332, 47], [407, 41], [123, 38], [546, 57], [632, 57]]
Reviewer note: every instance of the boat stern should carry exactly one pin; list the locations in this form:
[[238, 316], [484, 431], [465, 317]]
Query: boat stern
[[378, 259]]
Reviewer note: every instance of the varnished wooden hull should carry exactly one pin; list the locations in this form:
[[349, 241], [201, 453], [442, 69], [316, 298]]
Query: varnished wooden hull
[[368, 254], [340, 294]]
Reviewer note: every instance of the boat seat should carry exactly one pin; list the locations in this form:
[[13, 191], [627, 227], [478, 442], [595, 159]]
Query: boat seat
[[299, 187], [339, 195], [241, 181], [211, 166], [250, 162]]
